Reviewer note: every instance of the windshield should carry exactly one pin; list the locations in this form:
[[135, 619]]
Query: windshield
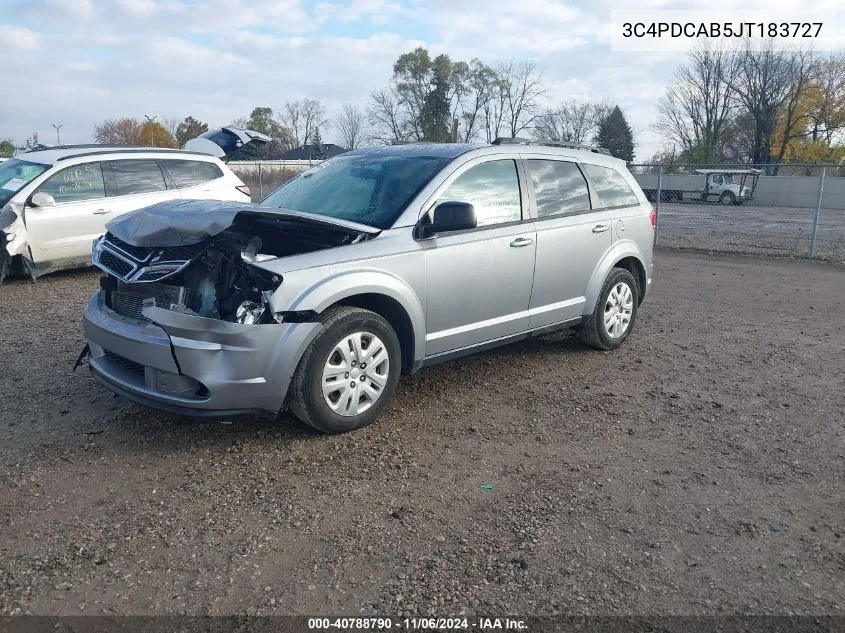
[[369, 189], [14, 176]]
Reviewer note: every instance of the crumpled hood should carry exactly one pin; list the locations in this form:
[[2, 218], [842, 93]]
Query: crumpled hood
[[186, 222]]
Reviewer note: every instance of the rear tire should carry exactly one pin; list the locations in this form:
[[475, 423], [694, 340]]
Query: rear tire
[[615, 313], [727, 199], [342, 383]]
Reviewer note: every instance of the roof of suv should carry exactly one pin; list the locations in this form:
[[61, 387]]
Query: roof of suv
[[51, 155]]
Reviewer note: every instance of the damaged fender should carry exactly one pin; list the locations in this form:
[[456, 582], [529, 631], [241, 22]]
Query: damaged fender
[[13, 240], [336, 283], [14, 232]]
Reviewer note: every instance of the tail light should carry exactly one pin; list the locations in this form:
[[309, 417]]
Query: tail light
[[244, 189], [653, 217]]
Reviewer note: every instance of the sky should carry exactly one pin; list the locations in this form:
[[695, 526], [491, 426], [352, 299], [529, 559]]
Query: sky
[[78, 62]]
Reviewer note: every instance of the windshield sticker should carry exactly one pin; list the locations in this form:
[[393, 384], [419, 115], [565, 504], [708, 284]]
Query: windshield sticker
[[14, 184]]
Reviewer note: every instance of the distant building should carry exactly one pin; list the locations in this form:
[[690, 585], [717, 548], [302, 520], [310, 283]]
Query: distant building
[[306, 152]]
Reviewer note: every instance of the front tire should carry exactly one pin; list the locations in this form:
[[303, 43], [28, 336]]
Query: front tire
[[349, 372], [615, 313]]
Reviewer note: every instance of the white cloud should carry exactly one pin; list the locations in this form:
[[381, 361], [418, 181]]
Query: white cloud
[[186, 56], [378, 12], [18, 38], [85, 67], [72, 9], [138, 7]]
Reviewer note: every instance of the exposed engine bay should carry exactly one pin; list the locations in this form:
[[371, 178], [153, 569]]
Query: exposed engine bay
[[209, 271]]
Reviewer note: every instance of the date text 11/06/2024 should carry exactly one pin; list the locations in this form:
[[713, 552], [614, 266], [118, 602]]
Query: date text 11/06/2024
[[417, 624]]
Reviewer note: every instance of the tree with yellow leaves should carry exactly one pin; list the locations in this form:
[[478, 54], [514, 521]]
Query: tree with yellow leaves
[[155, 134], [809, 126]]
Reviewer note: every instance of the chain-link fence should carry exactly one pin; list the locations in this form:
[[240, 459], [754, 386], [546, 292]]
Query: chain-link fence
[[793, 210], [265, 176]]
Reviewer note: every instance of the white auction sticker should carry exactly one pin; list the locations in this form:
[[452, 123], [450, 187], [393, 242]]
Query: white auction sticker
[[14, 184]]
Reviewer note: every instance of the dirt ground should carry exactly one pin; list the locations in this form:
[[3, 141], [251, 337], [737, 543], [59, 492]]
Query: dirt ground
[[697, 470]]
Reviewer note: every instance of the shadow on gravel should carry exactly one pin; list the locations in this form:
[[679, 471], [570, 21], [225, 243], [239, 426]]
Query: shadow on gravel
[[58, 277]]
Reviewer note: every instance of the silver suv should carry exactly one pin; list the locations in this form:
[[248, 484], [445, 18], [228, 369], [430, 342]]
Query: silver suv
[[376, 262]]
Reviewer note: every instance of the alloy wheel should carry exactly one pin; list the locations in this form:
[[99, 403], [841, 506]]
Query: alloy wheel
[[618, 310]]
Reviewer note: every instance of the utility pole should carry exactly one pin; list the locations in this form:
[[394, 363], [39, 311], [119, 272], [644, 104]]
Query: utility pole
[[152, 129], [58, 127]]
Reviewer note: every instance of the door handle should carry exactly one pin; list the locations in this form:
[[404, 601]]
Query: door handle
[[601, 228], [102, 211], [522, 241]]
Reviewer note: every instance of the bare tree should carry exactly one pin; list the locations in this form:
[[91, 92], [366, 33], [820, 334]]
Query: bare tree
[[572, 121], [171, 124], [479, 89], [523, 85], [494, 109], [699, 102], [762, 84], [350, 125], [123, 131], [385, 115], [303, 117]]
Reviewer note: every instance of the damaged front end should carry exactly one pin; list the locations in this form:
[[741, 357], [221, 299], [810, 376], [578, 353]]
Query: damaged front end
[[183, 320], [13, 240], [200, 258]]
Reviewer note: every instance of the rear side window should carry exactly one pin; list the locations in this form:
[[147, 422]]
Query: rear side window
[[613, 189], [127, 177], [75, 184], [492, 188], [189, 173], [559, 187]]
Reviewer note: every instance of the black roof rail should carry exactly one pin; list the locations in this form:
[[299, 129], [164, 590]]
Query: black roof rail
[[504, 140], [133, 150], [45, 148], [116, 148]]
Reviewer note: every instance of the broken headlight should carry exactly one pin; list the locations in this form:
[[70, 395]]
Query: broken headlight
[[249, 313]]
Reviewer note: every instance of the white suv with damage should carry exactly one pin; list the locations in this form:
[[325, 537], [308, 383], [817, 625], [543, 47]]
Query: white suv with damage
[[55, 202]]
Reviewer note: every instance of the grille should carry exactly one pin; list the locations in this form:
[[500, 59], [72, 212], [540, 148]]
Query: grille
[[138, 252], [128, 299], [124, 363], [115, 264], [181, 253], [152, 275]]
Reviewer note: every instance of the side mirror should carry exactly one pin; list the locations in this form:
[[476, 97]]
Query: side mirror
[[42, 199], [447, 217]]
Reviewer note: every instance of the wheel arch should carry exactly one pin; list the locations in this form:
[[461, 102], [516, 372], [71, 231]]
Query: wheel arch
[[636, 268], [624, 254], [395, 314], [378, 291]]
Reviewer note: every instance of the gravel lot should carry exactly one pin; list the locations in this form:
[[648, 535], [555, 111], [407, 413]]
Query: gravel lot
[[696, 470], [749, 229]]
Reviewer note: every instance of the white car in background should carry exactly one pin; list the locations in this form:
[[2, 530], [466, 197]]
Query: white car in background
[[54, 202]]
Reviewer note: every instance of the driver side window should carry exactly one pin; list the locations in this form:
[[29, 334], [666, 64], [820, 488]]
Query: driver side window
[[492, 188], [75, 184]]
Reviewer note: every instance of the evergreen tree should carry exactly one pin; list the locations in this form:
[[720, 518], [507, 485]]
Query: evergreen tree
[[435, 117], [189, 129], [318, 150], [615, 135]]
